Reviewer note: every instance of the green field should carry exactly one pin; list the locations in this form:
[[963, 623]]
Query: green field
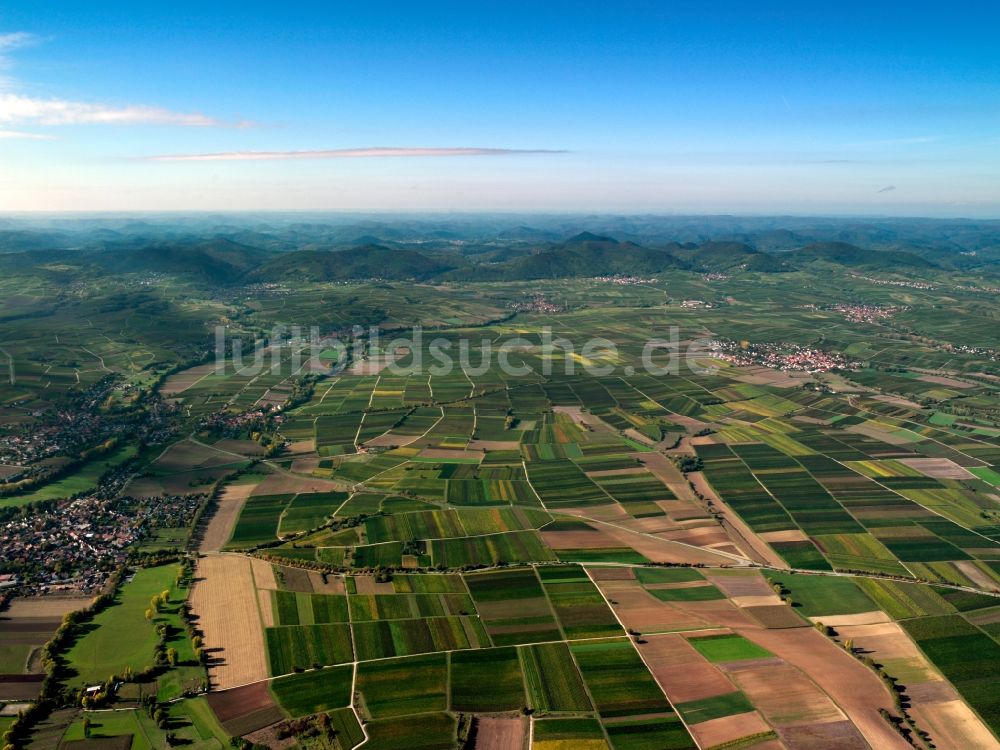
[[121, 637], [716, 707], [966, 656], [396, 687], [617, 679], [552, 679], [815, 596], [725, 648], [314, 691], [258, 522], [487, 680], [297, 647]]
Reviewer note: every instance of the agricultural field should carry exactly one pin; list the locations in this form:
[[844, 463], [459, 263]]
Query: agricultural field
[[628, 561], [122, 637]]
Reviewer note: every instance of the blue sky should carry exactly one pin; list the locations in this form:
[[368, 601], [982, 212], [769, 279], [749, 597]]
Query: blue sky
[[630, 106]]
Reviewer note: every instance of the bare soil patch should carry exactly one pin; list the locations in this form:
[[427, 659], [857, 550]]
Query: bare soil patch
[[728, 728], [611, 574], [294, 579], [225, 602], [775, 616], [879, 434], [181, 381], [305, 465], [263, 574], [612, 512], [368, 585], [791, 535], [219, 527], [665, 550], [953, 726], [938, 468], [20, 687], [861, 618], [245, 709], [935, 703], [833, 735], [644, 613], [766, 600], [684, 674], [854, 687], [494, 445], [720, 612], [500, 734], [746, 583], [950, 382], [617, 472], [297, 447], [284, 484], [974, 574], [44, 607], [784, 695], [266, 610], [332, 584], [592, 539]]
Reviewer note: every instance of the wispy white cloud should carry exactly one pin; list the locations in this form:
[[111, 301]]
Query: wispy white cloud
[[19, 108], [350, 153], [16, 39], [16, 106], [5, 134]]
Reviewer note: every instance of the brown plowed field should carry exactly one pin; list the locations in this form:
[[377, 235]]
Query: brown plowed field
[[853, 686], [683, 673], [245, 709], [642, 612], [220, 526], [263, 574], [500, 734], [728, 728], [833, 735], [225, 602], [953, 726], [784, 695]]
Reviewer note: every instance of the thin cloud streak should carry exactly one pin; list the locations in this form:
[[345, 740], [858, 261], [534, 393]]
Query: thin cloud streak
[[16, 39], [18, 108], [27, 136], [377, 152]]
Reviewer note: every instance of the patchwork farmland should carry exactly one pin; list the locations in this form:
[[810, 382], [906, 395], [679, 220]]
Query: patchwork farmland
[[727, 557]]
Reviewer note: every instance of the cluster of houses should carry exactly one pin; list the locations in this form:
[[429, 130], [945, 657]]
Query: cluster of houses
[[867, 313], [786, 357], [537, 304], [623, 280], [239, 424], [893, 282], [78, 545]]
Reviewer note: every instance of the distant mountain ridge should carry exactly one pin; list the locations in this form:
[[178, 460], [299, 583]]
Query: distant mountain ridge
[[232, 254]]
